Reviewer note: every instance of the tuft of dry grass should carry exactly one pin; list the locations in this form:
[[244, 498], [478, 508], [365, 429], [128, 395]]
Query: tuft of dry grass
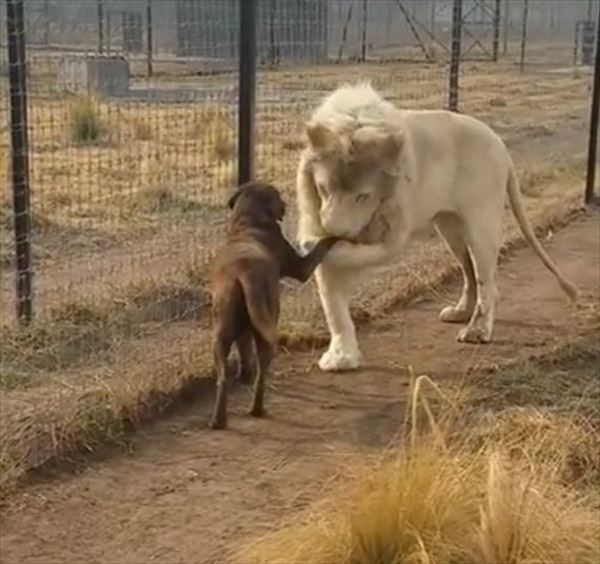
[[142, 131], [86, 124], [162, 199], [449, 497], [222, 140], [498, 102]]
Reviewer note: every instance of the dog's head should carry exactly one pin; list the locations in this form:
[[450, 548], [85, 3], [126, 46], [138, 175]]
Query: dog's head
[[260, 202], [352, 172]]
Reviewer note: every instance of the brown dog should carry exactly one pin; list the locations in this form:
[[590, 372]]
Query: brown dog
[[245, 288]]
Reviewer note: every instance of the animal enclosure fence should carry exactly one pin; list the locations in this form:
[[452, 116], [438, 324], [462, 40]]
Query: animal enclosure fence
[[120, 120]]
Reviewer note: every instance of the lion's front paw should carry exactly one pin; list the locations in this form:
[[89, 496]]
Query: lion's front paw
[[454, 314], [473, 334], [338, 358]]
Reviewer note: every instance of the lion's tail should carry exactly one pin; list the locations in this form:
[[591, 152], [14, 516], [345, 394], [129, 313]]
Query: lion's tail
[[516, 204]]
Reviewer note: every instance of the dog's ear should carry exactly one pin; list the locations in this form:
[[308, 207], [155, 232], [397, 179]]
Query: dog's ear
[[320, 137], [233, 198]]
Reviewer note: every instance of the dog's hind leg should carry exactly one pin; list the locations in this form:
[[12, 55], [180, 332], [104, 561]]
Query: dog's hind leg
[[245, 347], [265, 352], [451, 230], [221, 347]]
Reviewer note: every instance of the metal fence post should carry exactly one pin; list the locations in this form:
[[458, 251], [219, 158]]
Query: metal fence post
[[595, 110], [496, 42], [46, 12], [15, 27], [149, 36], [524, 34], [247, 90], [100, 17], [506, 26], [363, 50], [453, 87]]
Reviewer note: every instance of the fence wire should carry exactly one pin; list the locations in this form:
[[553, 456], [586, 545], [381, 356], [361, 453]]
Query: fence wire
[[132, 120]]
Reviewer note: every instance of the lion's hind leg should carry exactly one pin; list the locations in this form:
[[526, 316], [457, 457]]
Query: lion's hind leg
[[451, 229], [483, 237]]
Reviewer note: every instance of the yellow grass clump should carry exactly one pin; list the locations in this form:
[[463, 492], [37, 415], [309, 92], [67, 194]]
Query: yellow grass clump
[[449, 500], [86, 123]]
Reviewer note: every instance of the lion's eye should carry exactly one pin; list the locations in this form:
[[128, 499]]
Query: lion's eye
[[362, 198]]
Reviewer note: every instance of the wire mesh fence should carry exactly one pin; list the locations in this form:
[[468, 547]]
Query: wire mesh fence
[[132, 116]]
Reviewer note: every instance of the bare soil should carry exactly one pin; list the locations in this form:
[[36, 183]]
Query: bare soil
[[178, 492]]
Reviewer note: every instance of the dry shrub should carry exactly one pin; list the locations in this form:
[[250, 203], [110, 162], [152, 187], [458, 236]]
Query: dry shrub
[[86, 123], [443, 500], [162, 199], [216, 131], [564, 444], [498, 102], [221, 138], [142, 130], [293, 145]]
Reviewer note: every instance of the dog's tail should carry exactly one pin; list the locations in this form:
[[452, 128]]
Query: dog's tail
[[261, 311]]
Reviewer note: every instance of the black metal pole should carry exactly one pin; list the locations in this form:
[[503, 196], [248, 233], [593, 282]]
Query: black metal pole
[[363, 51], [453, 87], [100, 17], [496, 30], [592, 158], [15, 26], [149, 36], [108, 31], [247, 90], [506, 26], [524, 34], [46, 22]]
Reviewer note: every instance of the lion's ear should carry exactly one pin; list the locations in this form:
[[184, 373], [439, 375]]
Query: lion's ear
[[391, 147], [383, 146], [320, 137], [377, 142]]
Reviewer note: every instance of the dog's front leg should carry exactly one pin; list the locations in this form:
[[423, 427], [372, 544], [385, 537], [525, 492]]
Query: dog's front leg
[[335, 290]]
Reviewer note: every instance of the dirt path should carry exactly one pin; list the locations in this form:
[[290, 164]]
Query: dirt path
[[183, 494]]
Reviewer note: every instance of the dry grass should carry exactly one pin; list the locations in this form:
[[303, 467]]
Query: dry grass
[[78, 375], [91, 157], [142, 130], [72, 379], [86, 124], [467, 492]]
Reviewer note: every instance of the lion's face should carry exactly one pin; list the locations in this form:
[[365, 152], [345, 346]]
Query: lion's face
[[352, 176], [349, 195]]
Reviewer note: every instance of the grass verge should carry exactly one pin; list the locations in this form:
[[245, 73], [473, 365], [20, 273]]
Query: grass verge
[[495, 484], [48, 420]]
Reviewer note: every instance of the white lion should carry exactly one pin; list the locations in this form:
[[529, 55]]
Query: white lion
[[375, 175]]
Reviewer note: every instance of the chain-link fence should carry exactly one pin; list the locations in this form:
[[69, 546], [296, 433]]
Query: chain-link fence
[[132, 113]]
